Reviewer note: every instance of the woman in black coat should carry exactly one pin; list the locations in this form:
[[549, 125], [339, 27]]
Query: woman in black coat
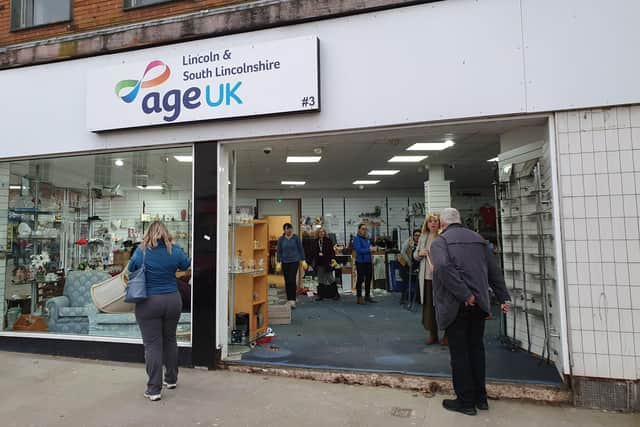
[[322, 257]]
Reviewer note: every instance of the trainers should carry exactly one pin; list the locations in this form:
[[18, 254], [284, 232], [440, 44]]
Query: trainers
[[170, 386], [153, 397]]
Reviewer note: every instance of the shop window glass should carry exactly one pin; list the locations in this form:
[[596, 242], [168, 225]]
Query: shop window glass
[[131, 4], [69, 223], [32, 13]]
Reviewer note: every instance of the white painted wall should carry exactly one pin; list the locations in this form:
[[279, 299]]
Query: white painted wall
[[446, 60]]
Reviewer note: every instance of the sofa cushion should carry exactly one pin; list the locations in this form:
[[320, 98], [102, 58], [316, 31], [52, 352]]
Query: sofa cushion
[[77, 286], [129, 318], [73, 311], [116, 318]]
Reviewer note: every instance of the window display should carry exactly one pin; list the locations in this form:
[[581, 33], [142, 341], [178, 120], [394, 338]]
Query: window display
[[72, 224]]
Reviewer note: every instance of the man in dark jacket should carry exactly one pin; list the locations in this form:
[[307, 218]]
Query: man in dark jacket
[[464, 269]]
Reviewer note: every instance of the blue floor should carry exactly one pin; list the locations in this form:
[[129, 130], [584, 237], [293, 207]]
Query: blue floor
[[383, 337]]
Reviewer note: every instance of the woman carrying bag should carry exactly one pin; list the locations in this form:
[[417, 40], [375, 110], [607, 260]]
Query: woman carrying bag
[[158, 314]]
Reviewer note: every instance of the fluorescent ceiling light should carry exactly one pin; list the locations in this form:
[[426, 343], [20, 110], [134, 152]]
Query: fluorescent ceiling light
[[149, 187], [407, 159], [383, 172], [431, 146], [303, 159], [365, 182], [293, 182], [15, 187], [119, 162], [495, 159], [184, 159]]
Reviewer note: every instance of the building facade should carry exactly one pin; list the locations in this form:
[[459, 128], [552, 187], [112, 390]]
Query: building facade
[[569, 94]]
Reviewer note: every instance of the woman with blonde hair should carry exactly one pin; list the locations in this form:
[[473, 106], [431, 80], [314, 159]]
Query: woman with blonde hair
[[430, 230], [158, 315]]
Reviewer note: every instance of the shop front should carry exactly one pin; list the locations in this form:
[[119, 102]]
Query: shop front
[[373, 119]]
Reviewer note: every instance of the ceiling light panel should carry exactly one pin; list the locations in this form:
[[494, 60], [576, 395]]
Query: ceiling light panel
[[431, 146], [293, 182], [366, 182], [149, 187], [407, 159], [383, 172], [184, 159], [303, 159]]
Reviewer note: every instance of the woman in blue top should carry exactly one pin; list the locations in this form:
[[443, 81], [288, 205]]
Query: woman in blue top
[[158, 315], [290, 253], [364, 266]]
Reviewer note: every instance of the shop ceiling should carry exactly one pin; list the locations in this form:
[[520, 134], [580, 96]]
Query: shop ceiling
[[349, 157]]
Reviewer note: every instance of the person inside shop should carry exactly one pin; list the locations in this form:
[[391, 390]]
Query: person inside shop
[[323, 262], [410, 265], [158, 315], [430, 231], [290, 254], [364, 264], [464, 270]]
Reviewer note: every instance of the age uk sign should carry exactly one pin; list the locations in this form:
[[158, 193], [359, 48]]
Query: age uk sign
[[205, 81]]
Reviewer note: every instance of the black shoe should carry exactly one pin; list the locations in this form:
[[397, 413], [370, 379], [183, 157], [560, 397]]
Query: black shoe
[[319, 299], [370, 300], [336, 298], [483, 405], [456, 406]]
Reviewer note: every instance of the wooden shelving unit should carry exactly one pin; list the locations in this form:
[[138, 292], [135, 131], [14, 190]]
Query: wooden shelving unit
[[251, 284]]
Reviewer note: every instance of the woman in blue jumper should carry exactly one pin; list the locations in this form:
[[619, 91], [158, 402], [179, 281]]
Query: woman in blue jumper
[[290, 253], [158, 315], [364, 266]]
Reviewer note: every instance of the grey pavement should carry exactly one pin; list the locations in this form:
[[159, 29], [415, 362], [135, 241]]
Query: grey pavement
[[47, 391]]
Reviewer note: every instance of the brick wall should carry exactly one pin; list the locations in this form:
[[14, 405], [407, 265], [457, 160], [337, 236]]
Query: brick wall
[[94, 14]]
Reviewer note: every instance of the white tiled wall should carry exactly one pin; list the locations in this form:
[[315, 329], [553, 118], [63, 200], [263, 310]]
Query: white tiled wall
[[599, 167]]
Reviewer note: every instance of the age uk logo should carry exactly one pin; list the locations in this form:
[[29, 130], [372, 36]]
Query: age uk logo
[[135, 85], [174, 100]]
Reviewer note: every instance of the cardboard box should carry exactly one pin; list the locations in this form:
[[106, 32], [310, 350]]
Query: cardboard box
[[121, 258], [279, 315]]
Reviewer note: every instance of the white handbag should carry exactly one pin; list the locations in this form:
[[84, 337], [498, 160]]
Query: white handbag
[[108, 296]]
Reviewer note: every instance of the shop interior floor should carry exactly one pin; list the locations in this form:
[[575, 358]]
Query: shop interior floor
[[382, 337]]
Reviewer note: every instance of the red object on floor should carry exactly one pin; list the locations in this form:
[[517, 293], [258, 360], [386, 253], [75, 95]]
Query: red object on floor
[[303, 291], [264, 340]]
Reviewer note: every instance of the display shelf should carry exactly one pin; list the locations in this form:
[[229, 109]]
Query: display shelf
[[34, 211], [539, 276], [249, 287], [249, 272], [540, 236], [545, 256]]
